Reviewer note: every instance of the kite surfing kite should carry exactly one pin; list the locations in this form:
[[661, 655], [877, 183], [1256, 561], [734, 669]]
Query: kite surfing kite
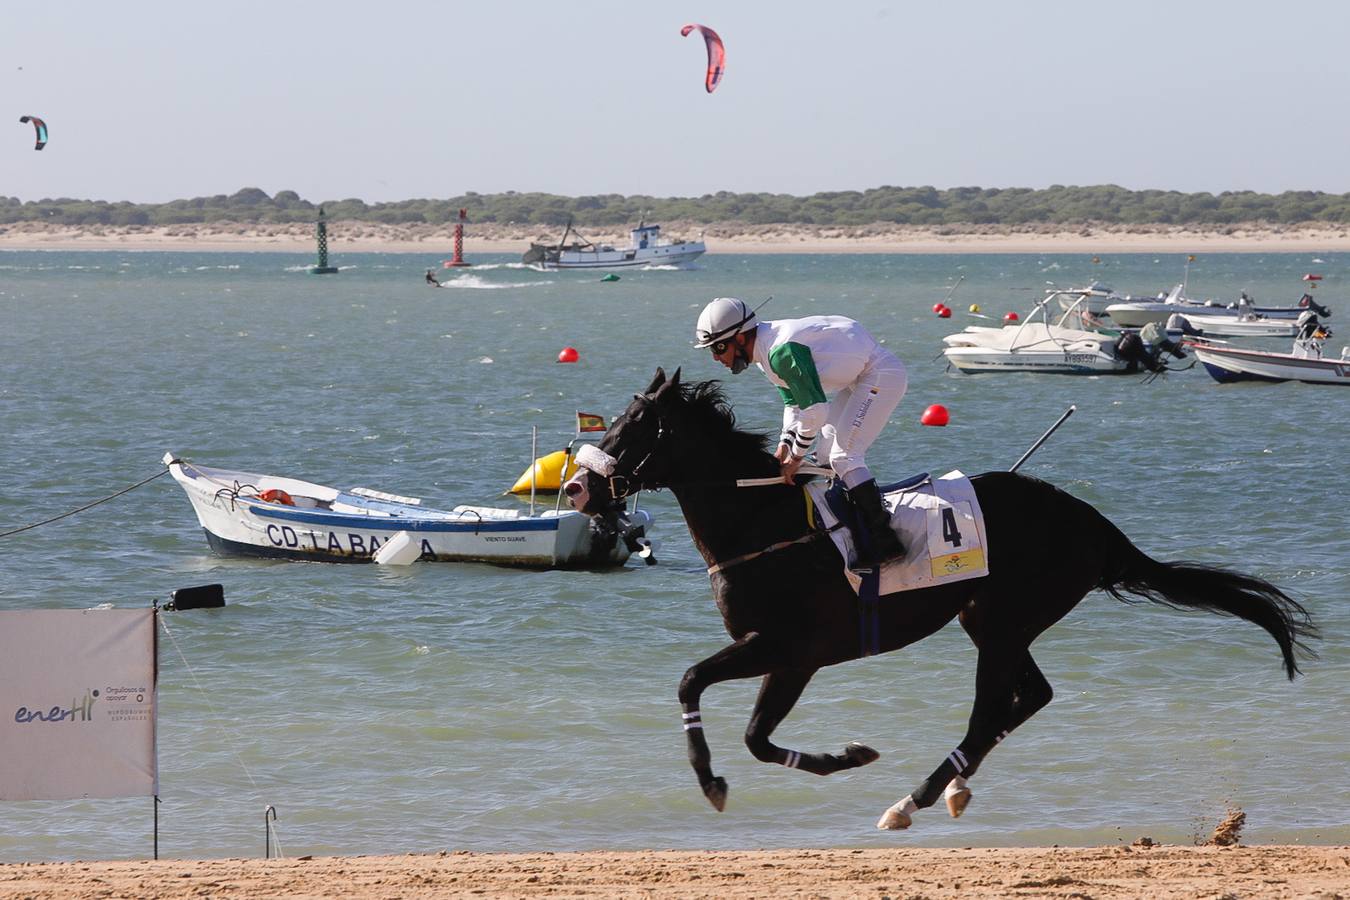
[[717, 55], [40, 127]]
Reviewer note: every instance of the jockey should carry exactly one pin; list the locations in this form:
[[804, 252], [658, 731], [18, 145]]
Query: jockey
[[806, 358]]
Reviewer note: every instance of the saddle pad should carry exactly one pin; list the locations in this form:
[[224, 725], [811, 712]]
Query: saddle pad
[[940, 523]]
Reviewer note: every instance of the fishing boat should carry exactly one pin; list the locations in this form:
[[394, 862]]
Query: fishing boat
[[251, 514], [1067, 346], [1305, 363], [646, 247]]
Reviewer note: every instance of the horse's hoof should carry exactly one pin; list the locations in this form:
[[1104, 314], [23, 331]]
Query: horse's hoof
[[856, 754], [716, 792], [957, 801], [894, 819]]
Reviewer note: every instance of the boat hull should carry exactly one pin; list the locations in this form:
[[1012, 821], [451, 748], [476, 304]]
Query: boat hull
[[1137, 315], [982, 359], [1232, 326], [1227, 364], [352, 528]]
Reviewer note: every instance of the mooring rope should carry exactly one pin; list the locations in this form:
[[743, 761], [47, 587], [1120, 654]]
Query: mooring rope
[[225, 734], [86, 506]]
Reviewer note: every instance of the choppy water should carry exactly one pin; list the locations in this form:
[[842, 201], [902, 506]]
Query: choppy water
[[471, 707]]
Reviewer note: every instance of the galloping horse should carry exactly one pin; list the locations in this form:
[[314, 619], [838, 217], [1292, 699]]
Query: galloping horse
[[790, 611]]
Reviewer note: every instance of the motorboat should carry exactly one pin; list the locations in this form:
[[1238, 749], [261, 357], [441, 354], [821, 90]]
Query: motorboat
[[1132, 313], [1228, 364], [1226, 324], [646, 247], [1096, 297], [1065, 346], [251, 514]]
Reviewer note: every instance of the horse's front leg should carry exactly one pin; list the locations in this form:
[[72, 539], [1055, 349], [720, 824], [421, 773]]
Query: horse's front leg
[[777, 695], [750, 656]]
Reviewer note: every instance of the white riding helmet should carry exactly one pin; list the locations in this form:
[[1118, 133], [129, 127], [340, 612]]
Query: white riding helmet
[[721, 319]]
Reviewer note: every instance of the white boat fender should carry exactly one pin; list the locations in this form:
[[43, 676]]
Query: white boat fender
[[400, 550]]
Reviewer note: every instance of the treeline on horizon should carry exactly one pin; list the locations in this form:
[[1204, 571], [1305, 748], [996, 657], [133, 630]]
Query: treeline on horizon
[[1056, 205]]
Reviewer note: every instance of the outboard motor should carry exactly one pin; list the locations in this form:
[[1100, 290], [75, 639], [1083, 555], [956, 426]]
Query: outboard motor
[[1307, 302], [634, 537], [1130, 348], [1144, 348], [1309, 326], [614, 525]]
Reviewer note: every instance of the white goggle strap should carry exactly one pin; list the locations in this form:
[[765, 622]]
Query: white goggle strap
[[598, 461]]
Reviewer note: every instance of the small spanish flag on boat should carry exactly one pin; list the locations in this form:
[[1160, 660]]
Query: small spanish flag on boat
[[589, 422]]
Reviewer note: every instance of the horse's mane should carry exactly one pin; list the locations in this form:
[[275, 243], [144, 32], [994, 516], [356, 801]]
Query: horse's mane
[[707, 406]]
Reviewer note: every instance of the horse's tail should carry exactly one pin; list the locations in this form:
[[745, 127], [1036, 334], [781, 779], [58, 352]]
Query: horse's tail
[[1186, 585]]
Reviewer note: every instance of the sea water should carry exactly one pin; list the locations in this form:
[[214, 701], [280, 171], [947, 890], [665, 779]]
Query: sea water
[[464, 706]]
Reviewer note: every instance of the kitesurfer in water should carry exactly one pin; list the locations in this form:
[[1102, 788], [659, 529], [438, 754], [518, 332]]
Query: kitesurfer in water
[[431, 278]]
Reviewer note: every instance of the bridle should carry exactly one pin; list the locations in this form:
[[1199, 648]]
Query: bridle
[[602, 464]]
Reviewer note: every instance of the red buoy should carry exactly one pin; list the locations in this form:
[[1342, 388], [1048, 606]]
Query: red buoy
[[937, 307], [1010, 317], [935, 415], [1312, 277], [568, 355], [944, 313]]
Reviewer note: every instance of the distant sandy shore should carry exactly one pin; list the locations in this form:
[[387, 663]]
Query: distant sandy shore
[[967, 874], [438, 241]]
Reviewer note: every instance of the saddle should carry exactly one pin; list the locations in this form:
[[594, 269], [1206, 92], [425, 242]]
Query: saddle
[[939, 522]]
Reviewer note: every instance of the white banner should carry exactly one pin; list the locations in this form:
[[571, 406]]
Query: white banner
[[77, 704]]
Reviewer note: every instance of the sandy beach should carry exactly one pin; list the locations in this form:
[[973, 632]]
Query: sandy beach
[[1140, 870], [368, 237]]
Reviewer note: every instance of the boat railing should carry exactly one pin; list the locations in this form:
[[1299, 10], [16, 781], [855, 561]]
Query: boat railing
[[1039, 312]]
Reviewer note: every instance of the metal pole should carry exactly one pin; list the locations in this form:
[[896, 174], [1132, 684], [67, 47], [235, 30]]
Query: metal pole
[[1041, 440], [269, 816], [534, 462], [953, 288], [157, 826]]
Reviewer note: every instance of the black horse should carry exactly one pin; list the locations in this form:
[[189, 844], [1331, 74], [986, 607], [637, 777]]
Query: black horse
[[789, 610]]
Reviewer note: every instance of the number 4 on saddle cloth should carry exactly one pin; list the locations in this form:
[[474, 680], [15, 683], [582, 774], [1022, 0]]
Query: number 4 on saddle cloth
[[938, 520]]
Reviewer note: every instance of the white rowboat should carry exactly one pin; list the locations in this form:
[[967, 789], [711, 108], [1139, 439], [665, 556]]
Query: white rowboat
[[250, 514]]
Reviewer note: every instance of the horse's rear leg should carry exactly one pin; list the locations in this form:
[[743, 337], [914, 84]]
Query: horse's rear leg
[[1031, 694], [778, 693], [1006, 695], [750, 656]]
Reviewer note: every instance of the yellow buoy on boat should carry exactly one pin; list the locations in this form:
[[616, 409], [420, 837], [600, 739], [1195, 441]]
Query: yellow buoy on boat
[[548, 473]]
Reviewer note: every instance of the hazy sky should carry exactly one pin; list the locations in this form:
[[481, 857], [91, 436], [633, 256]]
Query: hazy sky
[[152, 101]]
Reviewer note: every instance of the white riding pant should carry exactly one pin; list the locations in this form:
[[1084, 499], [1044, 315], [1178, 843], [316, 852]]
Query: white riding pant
[[856, 416]]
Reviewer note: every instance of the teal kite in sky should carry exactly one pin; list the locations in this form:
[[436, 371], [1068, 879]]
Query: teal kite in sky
[[40, 127]]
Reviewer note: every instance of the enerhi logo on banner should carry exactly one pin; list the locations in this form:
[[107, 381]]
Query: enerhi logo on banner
[[79, 711]]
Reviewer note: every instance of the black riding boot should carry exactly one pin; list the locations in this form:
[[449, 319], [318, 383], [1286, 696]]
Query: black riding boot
[[881, 539]]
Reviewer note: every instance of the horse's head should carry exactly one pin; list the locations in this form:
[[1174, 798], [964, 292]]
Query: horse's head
[[634, 454]]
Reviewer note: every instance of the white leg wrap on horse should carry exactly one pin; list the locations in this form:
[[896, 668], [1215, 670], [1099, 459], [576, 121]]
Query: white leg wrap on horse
[[900, 816], [958, 761], [793, 759]]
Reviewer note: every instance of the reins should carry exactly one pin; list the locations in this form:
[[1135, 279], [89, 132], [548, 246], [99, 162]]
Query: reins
[[601, 464]]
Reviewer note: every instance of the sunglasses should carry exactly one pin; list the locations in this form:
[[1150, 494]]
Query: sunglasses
[[720, 347]]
